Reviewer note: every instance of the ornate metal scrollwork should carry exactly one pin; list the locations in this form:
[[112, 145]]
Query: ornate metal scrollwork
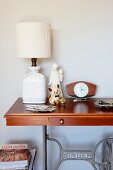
[[106, 162]]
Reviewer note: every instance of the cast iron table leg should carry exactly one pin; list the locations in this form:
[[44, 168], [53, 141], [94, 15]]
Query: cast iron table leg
[[45, 143]]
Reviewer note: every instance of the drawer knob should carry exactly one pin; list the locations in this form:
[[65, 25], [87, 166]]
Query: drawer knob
[[61, 121]]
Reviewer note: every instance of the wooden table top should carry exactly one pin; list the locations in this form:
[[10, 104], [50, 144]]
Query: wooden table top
[[83, 113]]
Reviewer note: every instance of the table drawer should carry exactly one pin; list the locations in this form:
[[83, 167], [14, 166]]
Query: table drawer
[[62, 121], [80, 121]]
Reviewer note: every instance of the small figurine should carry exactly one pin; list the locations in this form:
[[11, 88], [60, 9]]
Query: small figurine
[[54, 95], [56, 77], [62, 100], [55, 89]]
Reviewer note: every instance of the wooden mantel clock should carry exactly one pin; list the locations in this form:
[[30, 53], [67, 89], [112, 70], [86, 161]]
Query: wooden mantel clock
[[81, 89]]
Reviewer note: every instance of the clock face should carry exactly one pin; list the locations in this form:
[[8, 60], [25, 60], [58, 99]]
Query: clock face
[[81, 89]]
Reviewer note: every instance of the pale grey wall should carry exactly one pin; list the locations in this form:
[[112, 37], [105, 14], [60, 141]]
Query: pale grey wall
[[82, 43]]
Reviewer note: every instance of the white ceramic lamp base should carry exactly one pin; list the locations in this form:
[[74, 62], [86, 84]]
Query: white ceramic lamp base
[[34, 88]]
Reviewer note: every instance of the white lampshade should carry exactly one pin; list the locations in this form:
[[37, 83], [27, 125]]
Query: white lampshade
[[33, 40]]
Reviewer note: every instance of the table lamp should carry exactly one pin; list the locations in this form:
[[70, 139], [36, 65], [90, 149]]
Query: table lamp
[[34, 41]]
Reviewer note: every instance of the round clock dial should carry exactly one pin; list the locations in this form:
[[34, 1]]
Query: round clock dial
[[81, 89]]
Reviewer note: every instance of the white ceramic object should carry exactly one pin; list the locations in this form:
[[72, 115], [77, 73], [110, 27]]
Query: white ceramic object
[[56, 77], [34, 87]]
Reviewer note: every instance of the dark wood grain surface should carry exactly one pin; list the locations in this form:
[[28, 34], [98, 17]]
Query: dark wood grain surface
[[83, 113]]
